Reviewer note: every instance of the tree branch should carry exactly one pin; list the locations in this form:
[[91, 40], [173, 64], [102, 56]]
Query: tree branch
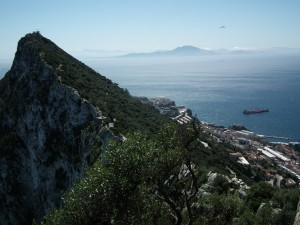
[[165, 197]]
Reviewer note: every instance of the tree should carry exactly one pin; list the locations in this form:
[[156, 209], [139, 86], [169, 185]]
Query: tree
[[286, 200], [142, 181], [247, 217], [221, 184], [264, 214], [259, 193], [219, 209]]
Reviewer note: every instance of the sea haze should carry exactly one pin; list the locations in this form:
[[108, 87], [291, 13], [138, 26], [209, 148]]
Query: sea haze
[[5, 65], [218, 88]]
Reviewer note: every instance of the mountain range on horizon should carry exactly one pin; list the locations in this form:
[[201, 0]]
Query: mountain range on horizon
[[184, 51]]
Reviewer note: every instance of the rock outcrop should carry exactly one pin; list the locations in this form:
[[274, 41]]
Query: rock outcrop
[[44, 143], [297, 217]]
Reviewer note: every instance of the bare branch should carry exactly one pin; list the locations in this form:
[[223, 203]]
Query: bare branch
[[172, 204]]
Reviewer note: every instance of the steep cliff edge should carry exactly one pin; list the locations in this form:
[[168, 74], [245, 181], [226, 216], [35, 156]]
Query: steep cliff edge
[[48, 129], [42, 148], [297, 217]]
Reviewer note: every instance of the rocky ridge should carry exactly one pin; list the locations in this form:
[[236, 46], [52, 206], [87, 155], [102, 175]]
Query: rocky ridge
[[297, 217], [47, 134]]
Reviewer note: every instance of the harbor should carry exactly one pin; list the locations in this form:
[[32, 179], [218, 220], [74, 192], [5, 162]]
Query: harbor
[[275, 137], [252, 149]]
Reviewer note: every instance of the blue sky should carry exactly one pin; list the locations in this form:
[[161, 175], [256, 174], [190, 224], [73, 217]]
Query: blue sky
[[147, 25]]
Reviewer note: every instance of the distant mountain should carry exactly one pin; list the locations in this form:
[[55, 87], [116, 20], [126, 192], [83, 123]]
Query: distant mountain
[[189, 50], [186, 50]]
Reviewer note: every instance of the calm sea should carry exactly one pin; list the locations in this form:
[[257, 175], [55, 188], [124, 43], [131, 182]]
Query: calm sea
[[219, 88]]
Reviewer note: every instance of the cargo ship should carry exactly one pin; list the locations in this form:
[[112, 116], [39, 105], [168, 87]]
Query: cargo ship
[[253, 111]]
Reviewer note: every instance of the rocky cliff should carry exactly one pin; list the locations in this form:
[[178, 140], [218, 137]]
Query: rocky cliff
[[47, 131], [297, 217]]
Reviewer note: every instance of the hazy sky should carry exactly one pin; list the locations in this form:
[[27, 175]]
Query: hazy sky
[[147, 25]]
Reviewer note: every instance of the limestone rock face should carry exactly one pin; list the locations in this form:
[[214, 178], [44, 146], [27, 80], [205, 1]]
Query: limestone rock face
[[43, 146], [297, 218]]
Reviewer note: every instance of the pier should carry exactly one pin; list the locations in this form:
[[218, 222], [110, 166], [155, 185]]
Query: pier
[[275, 137]]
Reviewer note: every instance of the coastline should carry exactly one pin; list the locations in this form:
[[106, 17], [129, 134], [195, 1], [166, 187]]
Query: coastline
[[251, 146], [219, 92]]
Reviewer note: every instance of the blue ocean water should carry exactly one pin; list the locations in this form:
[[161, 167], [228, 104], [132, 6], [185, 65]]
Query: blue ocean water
[[218, 88]]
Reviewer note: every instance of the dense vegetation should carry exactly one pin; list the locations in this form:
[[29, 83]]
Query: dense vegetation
[[147, 181]]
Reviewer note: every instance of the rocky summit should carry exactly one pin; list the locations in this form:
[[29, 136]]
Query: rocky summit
[[48, 131], [42, 146]]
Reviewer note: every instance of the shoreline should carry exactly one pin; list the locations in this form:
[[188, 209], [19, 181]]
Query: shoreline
[[184, 115], [251, 147]]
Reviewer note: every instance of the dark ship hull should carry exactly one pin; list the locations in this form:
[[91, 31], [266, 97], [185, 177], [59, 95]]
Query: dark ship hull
[[254, 111]]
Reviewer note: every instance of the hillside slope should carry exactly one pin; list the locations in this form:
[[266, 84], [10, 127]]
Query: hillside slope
[[54, 113]]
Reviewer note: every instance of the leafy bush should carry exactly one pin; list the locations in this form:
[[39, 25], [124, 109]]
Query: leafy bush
[[122, 189]]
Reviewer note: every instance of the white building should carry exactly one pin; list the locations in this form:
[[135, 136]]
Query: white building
[[277, 154]]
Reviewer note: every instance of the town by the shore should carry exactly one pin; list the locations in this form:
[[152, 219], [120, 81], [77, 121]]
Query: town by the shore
[[251, 148]]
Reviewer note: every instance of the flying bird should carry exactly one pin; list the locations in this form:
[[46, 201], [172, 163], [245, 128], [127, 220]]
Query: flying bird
[[222, 27]]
